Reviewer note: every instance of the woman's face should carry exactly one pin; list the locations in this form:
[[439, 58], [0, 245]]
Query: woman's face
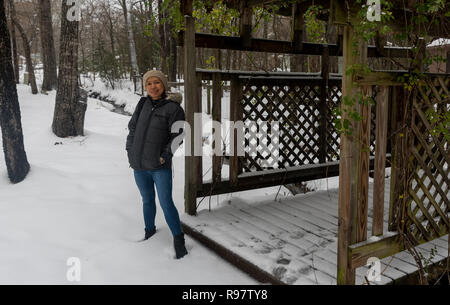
[[154, 87]]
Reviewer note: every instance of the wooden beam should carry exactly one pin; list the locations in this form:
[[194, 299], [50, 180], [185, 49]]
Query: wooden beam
[[363, 148], [246, 24], [377, 78], [363, 166], [388, 245], [281, 46], [268, 178], [250, 181], [190, 187], [345, 275], [236, 131], [259, 76], [381, 126], [217, 117], [297, 27], [353, 168]]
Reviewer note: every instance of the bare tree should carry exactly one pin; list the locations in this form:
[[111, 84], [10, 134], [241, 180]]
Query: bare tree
[[47, 46], [68, 118], [131, 43], [10, 122], [12, 14], [29, 61], [163, 44]]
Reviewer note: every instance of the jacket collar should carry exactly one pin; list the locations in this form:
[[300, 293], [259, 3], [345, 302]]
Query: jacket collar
[[159, 102]]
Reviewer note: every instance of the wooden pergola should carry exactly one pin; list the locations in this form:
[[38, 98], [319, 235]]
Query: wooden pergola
[[354, 162]]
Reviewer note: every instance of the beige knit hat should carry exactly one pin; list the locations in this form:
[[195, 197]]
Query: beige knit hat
[[159, 75]]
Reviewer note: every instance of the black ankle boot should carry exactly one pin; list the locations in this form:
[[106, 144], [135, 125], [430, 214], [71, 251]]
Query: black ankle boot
[[149, 233], [178, 243]]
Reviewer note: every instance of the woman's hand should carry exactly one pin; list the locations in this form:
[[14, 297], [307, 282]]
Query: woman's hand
[[161, 160]]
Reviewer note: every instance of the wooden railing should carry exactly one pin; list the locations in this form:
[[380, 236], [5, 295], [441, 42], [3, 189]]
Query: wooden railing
[[303, 105], [419, 198]]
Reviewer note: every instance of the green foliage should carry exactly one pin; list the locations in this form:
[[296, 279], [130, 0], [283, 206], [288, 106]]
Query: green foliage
[[173, 15], [315, 27], [263, 14], [365, 30], [211, 62], [440, 121], [215, 17], [105, 63]]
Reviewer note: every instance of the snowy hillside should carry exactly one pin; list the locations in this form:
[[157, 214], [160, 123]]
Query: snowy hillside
[[80, 200]]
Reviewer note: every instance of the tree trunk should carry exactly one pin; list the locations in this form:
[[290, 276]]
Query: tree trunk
[[12, 13], [10, 122], [162, 39], [48, 53], [173, 59], [228, 60], [265, 36], [274, 30], [131, 44], [113, 46], [68, 118], [171, 47], [26, 48], [332, 38]]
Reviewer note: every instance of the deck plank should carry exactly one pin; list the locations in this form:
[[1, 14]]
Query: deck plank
[[295, 238]]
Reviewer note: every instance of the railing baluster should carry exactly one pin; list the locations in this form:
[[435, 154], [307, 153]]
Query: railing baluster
[[380, 159]]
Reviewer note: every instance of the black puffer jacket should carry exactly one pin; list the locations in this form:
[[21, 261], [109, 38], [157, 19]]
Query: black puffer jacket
[[150, 135]]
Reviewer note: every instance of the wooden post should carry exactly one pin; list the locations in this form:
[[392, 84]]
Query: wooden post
[[198, 140], [447, 68], [208, 98], [380, 159], [190, 185], [353, 163], [235, 118], [363, 166], [323, 108], [297, 27], [217, 116], [397, 109], [246, 24]]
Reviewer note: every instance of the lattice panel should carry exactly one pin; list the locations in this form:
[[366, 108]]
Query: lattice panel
[[296, 108], [296, 105], [333, 137], [427, 207]]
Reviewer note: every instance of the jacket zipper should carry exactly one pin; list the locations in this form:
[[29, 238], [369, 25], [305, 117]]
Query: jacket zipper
[[145, 137], [145, 134]]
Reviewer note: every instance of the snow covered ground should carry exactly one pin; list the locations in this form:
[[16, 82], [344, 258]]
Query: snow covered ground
[[80, 200]]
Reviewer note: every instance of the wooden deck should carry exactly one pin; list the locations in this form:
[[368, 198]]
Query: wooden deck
[[293, 241]]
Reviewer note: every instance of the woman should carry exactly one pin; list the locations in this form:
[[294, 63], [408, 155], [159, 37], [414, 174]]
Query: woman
[[150, 155]]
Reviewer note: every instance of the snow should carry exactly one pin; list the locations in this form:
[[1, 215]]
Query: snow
[[439, 42], [80, 200]]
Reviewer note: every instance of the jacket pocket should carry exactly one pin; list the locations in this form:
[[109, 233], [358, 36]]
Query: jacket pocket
[[151, 155], [156, 135]]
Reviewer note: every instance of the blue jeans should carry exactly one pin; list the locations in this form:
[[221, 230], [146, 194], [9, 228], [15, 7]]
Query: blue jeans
[[145, 180]]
